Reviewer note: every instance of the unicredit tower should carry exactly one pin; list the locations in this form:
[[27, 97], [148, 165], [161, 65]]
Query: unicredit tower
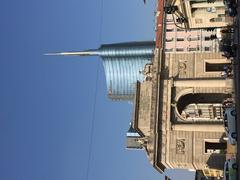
[[123, 63]]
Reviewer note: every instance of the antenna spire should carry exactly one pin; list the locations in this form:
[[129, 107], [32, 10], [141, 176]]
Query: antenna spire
[[78, 53]]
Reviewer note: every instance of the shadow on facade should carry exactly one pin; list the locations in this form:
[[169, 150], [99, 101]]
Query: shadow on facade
[[200, 99], [216, 161]]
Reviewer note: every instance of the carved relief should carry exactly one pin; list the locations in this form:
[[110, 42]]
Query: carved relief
[[180, 146], [147, 72], [182, 68]]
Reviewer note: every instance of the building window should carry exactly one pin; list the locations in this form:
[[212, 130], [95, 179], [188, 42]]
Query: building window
[[179, 49], [169, 39], [170, 30], [196, 38], [207, 38], [180, 39], [207, 49], [213, 67], [218, 19], [169, 50], [192, 49], [215, 147], [222, 15], [178, 29]]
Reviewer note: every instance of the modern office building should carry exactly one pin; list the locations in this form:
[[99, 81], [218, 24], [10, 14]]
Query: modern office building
[[123, 64]]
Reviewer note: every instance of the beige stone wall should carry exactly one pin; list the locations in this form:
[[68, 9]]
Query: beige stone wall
[[203, 15], [170, 143], [179, 40], [181, 149], [193, 65], [187, 150], [206, 160], [189, 75], [144, 109], [183, 146]]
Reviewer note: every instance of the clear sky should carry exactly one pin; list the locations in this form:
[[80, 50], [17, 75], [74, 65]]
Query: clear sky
[[47, 103]]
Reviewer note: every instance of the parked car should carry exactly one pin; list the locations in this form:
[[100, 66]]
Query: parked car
[[230, 124], [231, 7], [230, 169]]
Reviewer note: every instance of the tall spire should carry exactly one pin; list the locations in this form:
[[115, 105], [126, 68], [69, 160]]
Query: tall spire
[[77, 53], [122, 63], [129, 49]]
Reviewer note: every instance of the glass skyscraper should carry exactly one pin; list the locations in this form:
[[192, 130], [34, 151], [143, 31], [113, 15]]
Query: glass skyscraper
[[123, 63]]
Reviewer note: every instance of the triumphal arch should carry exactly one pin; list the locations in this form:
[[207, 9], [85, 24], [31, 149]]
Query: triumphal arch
[[178, 112]]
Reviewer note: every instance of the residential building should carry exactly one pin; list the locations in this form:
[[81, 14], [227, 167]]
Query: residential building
[[202, 13], [195, 40]]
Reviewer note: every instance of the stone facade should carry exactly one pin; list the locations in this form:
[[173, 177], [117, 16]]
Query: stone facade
[[178, 110], [196, 40], [203, 14]]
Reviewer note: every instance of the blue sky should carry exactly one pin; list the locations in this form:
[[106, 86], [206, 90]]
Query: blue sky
[[47, 103]]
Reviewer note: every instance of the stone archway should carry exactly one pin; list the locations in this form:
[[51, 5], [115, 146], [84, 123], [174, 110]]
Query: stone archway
[[200, 106]]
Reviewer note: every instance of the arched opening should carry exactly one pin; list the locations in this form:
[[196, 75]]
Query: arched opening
[[201, 106]]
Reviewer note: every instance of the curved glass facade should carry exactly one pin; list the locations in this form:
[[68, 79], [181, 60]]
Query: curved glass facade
[[122, 75], [123, 63], [132, 49]]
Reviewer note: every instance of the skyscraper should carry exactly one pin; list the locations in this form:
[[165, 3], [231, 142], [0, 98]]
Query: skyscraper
[[123, 63]]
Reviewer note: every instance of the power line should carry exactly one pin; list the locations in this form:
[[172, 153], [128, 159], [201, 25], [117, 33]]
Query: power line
[[95, 96], [92, 124]]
